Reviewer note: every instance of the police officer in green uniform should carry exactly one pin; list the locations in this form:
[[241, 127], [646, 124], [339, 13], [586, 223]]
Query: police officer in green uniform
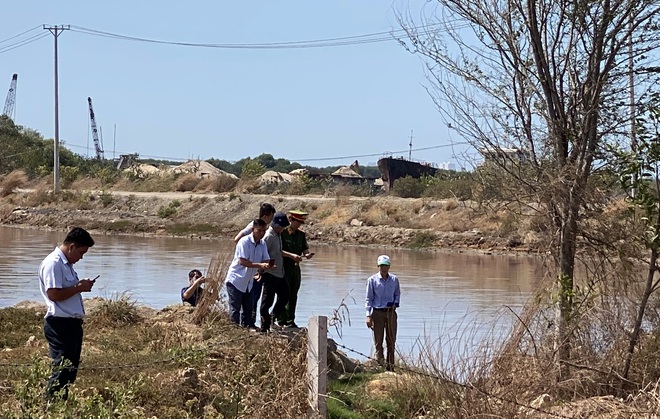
[[293, 241]]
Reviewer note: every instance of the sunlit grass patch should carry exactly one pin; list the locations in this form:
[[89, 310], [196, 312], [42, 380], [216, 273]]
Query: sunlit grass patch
[[349, 398], [120, 310]]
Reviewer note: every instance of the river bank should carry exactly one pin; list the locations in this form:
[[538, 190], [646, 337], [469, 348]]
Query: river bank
[[385, 221], [139, 362]]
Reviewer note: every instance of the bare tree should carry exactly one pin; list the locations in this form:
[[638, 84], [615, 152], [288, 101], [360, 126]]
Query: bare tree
[[547, 79]]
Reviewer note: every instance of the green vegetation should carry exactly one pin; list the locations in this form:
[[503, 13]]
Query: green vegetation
[[27, 150], [349, 399], [170, 210]]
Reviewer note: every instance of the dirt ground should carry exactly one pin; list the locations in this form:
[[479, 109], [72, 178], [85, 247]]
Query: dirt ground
[[388, 221]]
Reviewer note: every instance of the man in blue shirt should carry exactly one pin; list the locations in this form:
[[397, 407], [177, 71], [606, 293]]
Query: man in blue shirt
[[383, 295], [193, 292], [63, 325]]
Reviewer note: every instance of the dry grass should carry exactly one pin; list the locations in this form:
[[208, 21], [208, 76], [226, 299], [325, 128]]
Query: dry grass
[[118, 311], [215, 276], [217, 184], [159, 365], [86, 184], [157, 182], [186, 183], [12, 181], [451, 204]]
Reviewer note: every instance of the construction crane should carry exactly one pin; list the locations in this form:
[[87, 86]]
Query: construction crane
[[95, 134], [11, 98]]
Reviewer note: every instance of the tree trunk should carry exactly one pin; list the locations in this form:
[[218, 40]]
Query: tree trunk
[[567, 239]]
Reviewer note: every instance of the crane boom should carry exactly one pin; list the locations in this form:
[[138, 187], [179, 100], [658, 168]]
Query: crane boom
[[11, 98], [95, 133]]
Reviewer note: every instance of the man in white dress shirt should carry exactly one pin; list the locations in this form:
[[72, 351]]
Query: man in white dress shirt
[[63, 325]]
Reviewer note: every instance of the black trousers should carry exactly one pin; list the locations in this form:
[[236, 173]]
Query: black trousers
[[65, 337], [273, 286]]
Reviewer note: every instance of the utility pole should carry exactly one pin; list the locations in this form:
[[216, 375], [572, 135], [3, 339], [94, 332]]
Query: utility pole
[[56, 31], [410, 149]]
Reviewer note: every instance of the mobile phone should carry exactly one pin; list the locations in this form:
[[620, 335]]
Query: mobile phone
[[310, 254], [96, 277]]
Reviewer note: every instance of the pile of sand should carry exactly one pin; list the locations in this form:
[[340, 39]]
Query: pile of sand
[[274, 177], [202, 169]]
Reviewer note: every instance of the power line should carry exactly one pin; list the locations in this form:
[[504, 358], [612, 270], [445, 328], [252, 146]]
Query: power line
[[374, 37], [368, 38], [320, 43], [23, 42], [20, 34]]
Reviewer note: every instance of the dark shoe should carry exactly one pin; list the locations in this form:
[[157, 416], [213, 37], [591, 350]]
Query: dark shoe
[[264, 330], [292, 325]]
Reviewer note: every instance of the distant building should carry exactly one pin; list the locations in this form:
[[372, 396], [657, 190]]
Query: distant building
[[447, 166]]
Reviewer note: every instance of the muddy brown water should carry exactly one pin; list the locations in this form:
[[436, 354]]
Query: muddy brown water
[[448, 300]]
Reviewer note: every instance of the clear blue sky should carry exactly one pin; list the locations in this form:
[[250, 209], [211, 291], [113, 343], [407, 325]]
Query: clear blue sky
[[178, 102]]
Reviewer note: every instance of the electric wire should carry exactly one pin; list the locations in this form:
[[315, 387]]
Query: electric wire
[[385, 36], [369, 38], [359, 39], [20, 34], [23, 42]]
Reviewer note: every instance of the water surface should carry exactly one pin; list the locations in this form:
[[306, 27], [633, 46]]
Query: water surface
[[448, 295]]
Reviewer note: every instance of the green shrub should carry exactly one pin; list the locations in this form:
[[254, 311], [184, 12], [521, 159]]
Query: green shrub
[[170, 210], [408, 187], [166, 212], [107, 175], [106, 198], [252, 169], [68, 175]]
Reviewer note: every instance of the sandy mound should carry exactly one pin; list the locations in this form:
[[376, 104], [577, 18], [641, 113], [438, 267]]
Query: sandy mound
[[202, 169]]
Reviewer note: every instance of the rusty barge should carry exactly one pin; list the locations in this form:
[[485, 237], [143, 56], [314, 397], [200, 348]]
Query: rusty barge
[[393, 168]]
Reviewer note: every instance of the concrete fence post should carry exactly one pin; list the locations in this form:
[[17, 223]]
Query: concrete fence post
[[317, 366]]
